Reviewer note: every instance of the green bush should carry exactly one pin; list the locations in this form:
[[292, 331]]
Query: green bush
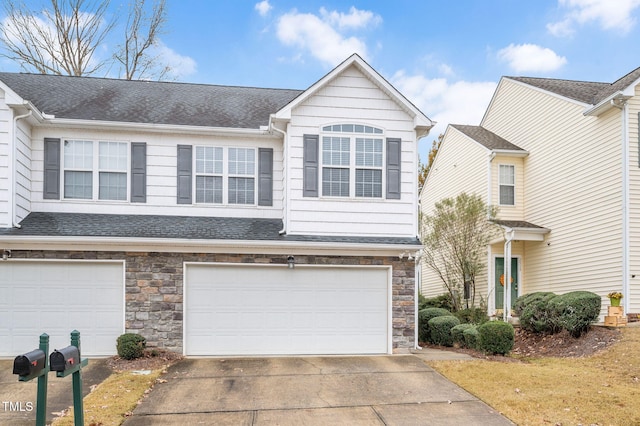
[[457, 334], [131, 346], [526, 299], [539, 316], [443, 301], [472, 316], [576, 311], [471, 337], [424, 316], [440, 330], [496, 337]]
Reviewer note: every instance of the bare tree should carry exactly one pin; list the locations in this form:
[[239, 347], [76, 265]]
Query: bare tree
[[65, 39], [141, 34]]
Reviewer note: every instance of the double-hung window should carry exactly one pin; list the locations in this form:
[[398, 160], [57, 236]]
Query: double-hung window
[[92, 168], [209, 172], [352, 162], [225, 175], [507, 182]]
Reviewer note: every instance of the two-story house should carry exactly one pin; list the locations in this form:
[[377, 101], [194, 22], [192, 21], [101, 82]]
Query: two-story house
[[212, 220], [560, 160]]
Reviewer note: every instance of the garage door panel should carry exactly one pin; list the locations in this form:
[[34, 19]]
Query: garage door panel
[[56, 297], [274, 310]]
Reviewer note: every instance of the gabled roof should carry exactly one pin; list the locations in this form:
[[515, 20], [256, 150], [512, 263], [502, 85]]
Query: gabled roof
[[419, 118], [103, 99], [487, 138], [588, 92]]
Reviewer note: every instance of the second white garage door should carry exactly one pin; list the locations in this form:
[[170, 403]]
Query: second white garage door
[[269, 310]]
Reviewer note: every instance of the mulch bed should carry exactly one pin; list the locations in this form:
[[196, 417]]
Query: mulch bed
[[152, 359], [560, 345]]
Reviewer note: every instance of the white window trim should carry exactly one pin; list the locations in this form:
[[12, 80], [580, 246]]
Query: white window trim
[[226, 175], [380, 134], [513, 185], [95, 170]]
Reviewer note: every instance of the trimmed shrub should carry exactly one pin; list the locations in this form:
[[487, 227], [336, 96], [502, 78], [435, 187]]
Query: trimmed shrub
[[576, 311], [496, 337], [440, 329], [443, 301], [131, 346], [526, 299], [424, 316], [472, 316], [538, 315], [457, 334], [471, 337]]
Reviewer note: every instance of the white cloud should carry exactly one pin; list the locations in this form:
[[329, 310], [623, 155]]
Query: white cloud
[[179, 66], [355, 19], [324, 36], [531, 58], [263, 7], [608, 14], [460, 102]]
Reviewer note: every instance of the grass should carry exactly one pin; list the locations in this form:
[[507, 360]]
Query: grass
[[110, 402], [603, 389]]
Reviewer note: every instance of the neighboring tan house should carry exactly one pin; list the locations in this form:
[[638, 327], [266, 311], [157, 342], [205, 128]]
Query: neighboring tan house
[[560, 160], [213, 220]]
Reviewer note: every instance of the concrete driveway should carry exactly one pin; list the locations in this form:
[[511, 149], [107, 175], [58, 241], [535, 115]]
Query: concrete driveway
[[18, 399], [358, 390]]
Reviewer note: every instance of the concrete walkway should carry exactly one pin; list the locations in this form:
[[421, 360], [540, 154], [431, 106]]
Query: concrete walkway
[[357, 390]]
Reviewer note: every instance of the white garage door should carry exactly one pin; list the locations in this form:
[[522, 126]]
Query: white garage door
[[264, 310], [57, 297]]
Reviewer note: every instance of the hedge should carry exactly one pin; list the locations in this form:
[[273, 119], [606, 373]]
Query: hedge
[[424, 316], [496, 337], [440, 329]]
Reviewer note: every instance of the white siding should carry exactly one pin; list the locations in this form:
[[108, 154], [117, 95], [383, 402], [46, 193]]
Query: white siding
[[573, 186], [460, 166], [161, 175], [22, 163], [352, 98], [634, 204], [5, 134]]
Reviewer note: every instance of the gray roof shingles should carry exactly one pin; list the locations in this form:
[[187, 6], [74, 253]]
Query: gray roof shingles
[[41, 224], [486, 138], [588, 92], [152, 102], [517, 224]]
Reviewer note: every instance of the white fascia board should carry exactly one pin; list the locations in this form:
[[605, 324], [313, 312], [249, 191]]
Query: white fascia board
[[606, 104], [158, 128], [204, 246], [510, 153]]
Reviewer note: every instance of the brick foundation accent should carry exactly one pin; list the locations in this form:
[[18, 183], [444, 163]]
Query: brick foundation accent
[[154, 288]]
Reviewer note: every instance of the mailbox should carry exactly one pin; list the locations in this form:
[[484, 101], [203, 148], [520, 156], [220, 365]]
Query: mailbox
[[30, 363], [64, 359]]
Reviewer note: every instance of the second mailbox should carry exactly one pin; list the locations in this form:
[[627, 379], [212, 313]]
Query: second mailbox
[[64, 359]]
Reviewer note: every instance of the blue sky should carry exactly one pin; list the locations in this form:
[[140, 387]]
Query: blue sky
[[445, 56]]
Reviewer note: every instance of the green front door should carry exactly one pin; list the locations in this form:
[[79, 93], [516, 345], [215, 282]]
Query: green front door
[[499, 288]]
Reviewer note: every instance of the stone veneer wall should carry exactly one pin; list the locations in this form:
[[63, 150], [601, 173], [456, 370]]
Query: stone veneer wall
[[154, 288]]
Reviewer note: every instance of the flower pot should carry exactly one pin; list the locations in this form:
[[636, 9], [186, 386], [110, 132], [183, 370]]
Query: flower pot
[[615, 302]]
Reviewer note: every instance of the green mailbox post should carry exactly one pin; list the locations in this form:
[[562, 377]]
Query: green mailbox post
[[31, 365], [68, 361]]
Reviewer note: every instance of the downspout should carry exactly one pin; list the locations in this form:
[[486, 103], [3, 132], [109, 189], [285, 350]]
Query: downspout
[[418, 279], [506, 306], [490, 267], [285, 187], [13, 154], [625, 206]]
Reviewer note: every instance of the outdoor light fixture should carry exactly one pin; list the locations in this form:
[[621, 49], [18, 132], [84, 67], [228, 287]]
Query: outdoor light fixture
[[6, 254], [291, 262]]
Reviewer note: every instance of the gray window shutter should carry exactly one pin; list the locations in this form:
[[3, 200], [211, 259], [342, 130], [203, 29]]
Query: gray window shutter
[[393, 168], [311, 165], [185, 163], [138, 172], [51, 187], [265, 177]]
